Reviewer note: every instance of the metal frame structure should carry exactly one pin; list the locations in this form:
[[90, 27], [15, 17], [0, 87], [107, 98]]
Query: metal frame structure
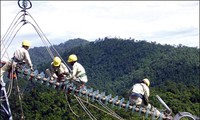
[[5, 107]]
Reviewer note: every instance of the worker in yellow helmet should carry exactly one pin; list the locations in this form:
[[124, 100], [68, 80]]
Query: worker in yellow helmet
[[21, 55], [140, 91], [78, 75], [140, 95], [58, 70]]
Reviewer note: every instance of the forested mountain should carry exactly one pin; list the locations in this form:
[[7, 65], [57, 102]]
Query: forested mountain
[[119, 60], [113, 65]]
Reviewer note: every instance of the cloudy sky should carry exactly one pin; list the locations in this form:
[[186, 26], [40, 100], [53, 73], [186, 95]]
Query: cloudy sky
[[164, 22]]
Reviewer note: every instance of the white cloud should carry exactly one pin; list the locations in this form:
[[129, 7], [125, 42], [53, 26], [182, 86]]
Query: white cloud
[[166, 22]]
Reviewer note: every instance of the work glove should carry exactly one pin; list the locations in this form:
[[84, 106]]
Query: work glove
[[68, 76]]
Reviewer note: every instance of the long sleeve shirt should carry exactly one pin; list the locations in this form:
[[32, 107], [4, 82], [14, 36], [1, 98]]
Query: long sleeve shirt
[[78, 71], [22, 54], [137, 88]]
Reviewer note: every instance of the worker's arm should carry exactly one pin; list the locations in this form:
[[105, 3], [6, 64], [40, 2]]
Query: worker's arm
[[53, 74], [28, 59], [66, 71]]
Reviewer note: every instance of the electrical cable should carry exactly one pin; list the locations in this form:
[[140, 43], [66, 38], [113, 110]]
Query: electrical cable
[[70, 106], [85, 109]]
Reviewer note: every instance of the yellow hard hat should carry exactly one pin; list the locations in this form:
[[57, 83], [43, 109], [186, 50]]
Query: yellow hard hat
[[72, 58], [56, 61], [26, 43], [146, 81]]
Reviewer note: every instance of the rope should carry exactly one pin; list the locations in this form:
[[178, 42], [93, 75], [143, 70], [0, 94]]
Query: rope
[[70, 106], [20, 101], [84, 108], [2, 98], [10, 87], [109, 113]]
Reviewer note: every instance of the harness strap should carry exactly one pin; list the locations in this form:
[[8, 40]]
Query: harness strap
[[17, 61], [136, 95]]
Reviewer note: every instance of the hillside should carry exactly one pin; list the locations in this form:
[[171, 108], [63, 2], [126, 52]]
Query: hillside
[[114, 65], [120, 60]]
